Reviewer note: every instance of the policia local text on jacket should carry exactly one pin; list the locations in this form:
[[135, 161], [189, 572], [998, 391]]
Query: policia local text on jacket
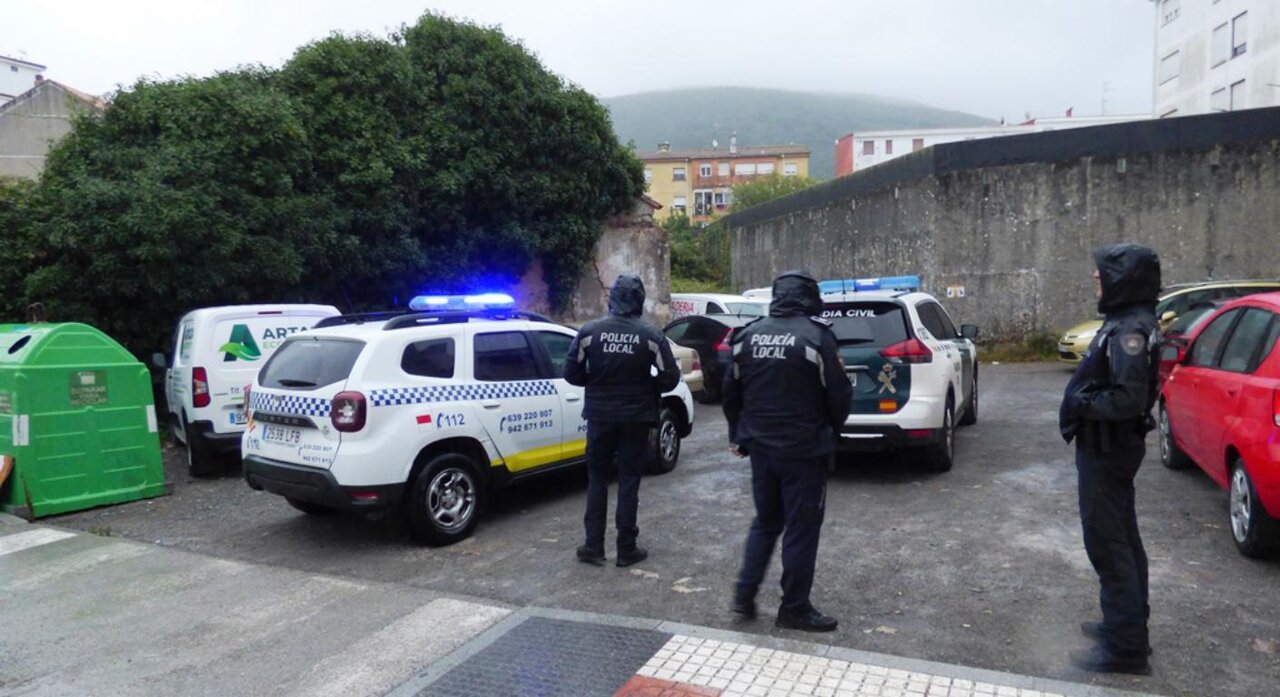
[[785, 396], [614, 358], [1107, 411]]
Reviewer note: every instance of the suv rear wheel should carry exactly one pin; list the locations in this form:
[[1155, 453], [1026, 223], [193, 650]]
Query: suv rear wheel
[[664, 442], [444, 502], [940, 457]]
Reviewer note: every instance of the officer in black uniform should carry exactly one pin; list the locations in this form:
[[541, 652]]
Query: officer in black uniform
[[614, 358], [1107, 411], [785, 395]]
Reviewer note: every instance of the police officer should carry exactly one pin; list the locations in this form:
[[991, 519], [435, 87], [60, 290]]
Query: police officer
[[614, 358], [785, 394], [1107, 411]]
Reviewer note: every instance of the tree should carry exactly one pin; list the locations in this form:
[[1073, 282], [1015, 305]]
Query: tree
[[18, 253], [696, 262], [768, 188]]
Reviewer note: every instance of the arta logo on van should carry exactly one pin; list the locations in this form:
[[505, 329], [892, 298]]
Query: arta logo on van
[[241, 346]]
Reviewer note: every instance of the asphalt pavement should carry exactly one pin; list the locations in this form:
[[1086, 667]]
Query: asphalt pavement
[[981, 566]]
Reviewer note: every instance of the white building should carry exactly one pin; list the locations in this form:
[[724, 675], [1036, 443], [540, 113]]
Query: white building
[[858, 151], [17, 76], [1216, 55]]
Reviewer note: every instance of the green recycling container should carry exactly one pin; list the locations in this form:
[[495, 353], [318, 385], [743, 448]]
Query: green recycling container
[[77, 421]]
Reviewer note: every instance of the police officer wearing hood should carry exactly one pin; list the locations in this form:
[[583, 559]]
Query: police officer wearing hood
[[625, 364], [785, 396], [1107, 411]]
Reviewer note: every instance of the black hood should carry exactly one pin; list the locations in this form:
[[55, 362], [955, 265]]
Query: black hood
[[626, 298], [1130, 275], [795, 294]]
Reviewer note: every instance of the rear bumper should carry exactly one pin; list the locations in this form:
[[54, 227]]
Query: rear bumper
[[861, 439], [211, 440], [317, 486]]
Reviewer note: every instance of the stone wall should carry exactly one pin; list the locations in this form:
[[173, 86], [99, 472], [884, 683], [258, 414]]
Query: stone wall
[[1005, 226]]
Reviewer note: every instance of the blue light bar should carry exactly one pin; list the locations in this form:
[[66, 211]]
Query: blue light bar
[[853, 285], [481, 301]]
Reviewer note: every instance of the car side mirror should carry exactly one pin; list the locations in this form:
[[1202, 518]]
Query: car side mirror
[[1174, 352], [159, 361], [969, 331], [1168, 316]]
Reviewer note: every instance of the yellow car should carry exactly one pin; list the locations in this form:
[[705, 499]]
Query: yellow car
[[1175, 300]]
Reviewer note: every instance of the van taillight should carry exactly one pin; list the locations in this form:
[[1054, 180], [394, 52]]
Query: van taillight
[[199, 387], [348, 411], [909, 351]]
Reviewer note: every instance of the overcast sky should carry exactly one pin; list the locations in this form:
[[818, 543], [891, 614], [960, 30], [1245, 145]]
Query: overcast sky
[[989, 57]]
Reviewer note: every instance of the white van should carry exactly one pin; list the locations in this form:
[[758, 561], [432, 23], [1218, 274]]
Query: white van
[[684, 304], [216, 352]]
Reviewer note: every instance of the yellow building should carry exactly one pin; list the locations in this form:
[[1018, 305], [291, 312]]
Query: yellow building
[[698, 182]]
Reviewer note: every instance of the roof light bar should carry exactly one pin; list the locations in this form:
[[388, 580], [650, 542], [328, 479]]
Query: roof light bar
[[854, 285], [479, 301]]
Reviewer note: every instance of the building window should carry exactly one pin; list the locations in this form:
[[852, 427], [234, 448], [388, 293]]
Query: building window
[[1169, 10], [1239, 34], [744, 169], [764, 168], [917, 144], [868, 147], [888, 147], [723, 198], [1218, 100], [702, 203], [790, 169], [1169, 67], [648, 175], [1220, 45], [704, 170], [1237, 96], [678, 174], [723, 169], [679, 203]]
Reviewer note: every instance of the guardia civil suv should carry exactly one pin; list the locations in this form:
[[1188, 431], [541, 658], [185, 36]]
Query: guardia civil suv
[[425, 412], [915, 377]]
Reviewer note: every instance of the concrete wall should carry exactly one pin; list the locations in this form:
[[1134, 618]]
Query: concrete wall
[[629, 244], [1203, 191], [30, 124]]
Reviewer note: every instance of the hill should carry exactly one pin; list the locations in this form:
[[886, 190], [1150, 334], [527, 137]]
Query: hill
[[693, 117]]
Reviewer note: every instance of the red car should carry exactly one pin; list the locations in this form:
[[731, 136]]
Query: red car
[[1220, 408]]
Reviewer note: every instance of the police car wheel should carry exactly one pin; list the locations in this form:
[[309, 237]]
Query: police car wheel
[[444, 502], [664, 443], [1171, 456], [971, 411], [940, 456], [308, 507], [1255, 533]]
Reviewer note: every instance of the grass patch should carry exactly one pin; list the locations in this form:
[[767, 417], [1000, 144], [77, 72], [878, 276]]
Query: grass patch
[[1039, 347]]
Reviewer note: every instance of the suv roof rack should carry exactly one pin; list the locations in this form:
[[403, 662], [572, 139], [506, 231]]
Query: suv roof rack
[[357, 318], [419, 319]]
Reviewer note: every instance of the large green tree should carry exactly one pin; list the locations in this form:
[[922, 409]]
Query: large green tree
[[18, 251], [755, 192]]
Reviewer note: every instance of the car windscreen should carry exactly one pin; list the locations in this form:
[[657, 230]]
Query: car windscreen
[[867, 324], [307, 363]]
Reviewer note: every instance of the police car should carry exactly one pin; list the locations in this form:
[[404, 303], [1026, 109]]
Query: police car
[[915, 377], [424, 412]]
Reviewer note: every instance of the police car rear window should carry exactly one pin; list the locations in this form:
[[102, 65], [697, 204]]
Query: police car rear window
[[869, 324], [310, 363]]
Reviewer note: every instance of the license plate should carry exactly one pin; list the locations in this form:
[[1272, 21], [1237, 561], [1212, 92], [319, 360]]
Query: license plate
[[237, 418], [283, 436]]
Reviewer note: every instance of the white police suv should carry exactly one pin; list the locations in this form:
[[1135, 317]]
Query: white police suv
[[915, 377], [424, 412]]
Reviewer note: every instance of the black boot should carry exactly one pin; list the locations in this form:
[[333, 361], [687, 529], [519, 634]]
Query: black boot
[[635, 556], [807, 620], [744, 604], [586, 555], [1094, 631], [1099, 659]]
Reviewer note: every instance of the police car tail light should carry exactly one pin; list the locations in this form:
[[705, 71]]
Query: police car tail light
[[200, 388], [909, 351], [348, 411], [723, 344]]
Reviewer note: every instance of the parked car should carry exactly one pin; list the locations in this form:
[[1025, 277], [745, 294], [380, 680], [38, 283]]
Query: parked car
[[690, 367], [1220, 409], [1180, 334], [708, 335], [216, 351], [685, 304], [1174, 301]]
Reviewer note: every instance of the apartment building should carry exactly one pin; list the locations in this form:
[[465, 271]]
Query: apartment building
[[1216, 55], [698, 182]]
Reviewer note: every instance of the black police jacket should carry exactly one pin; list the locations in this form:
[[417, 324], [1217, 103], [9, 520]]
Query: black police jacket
[[786, 388], [614, 359], [1109, 398]]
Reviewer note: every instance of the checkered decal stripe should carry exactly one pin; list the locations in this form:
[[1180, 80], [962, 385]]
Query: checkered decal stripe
[[291, 405], [397, 396]]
